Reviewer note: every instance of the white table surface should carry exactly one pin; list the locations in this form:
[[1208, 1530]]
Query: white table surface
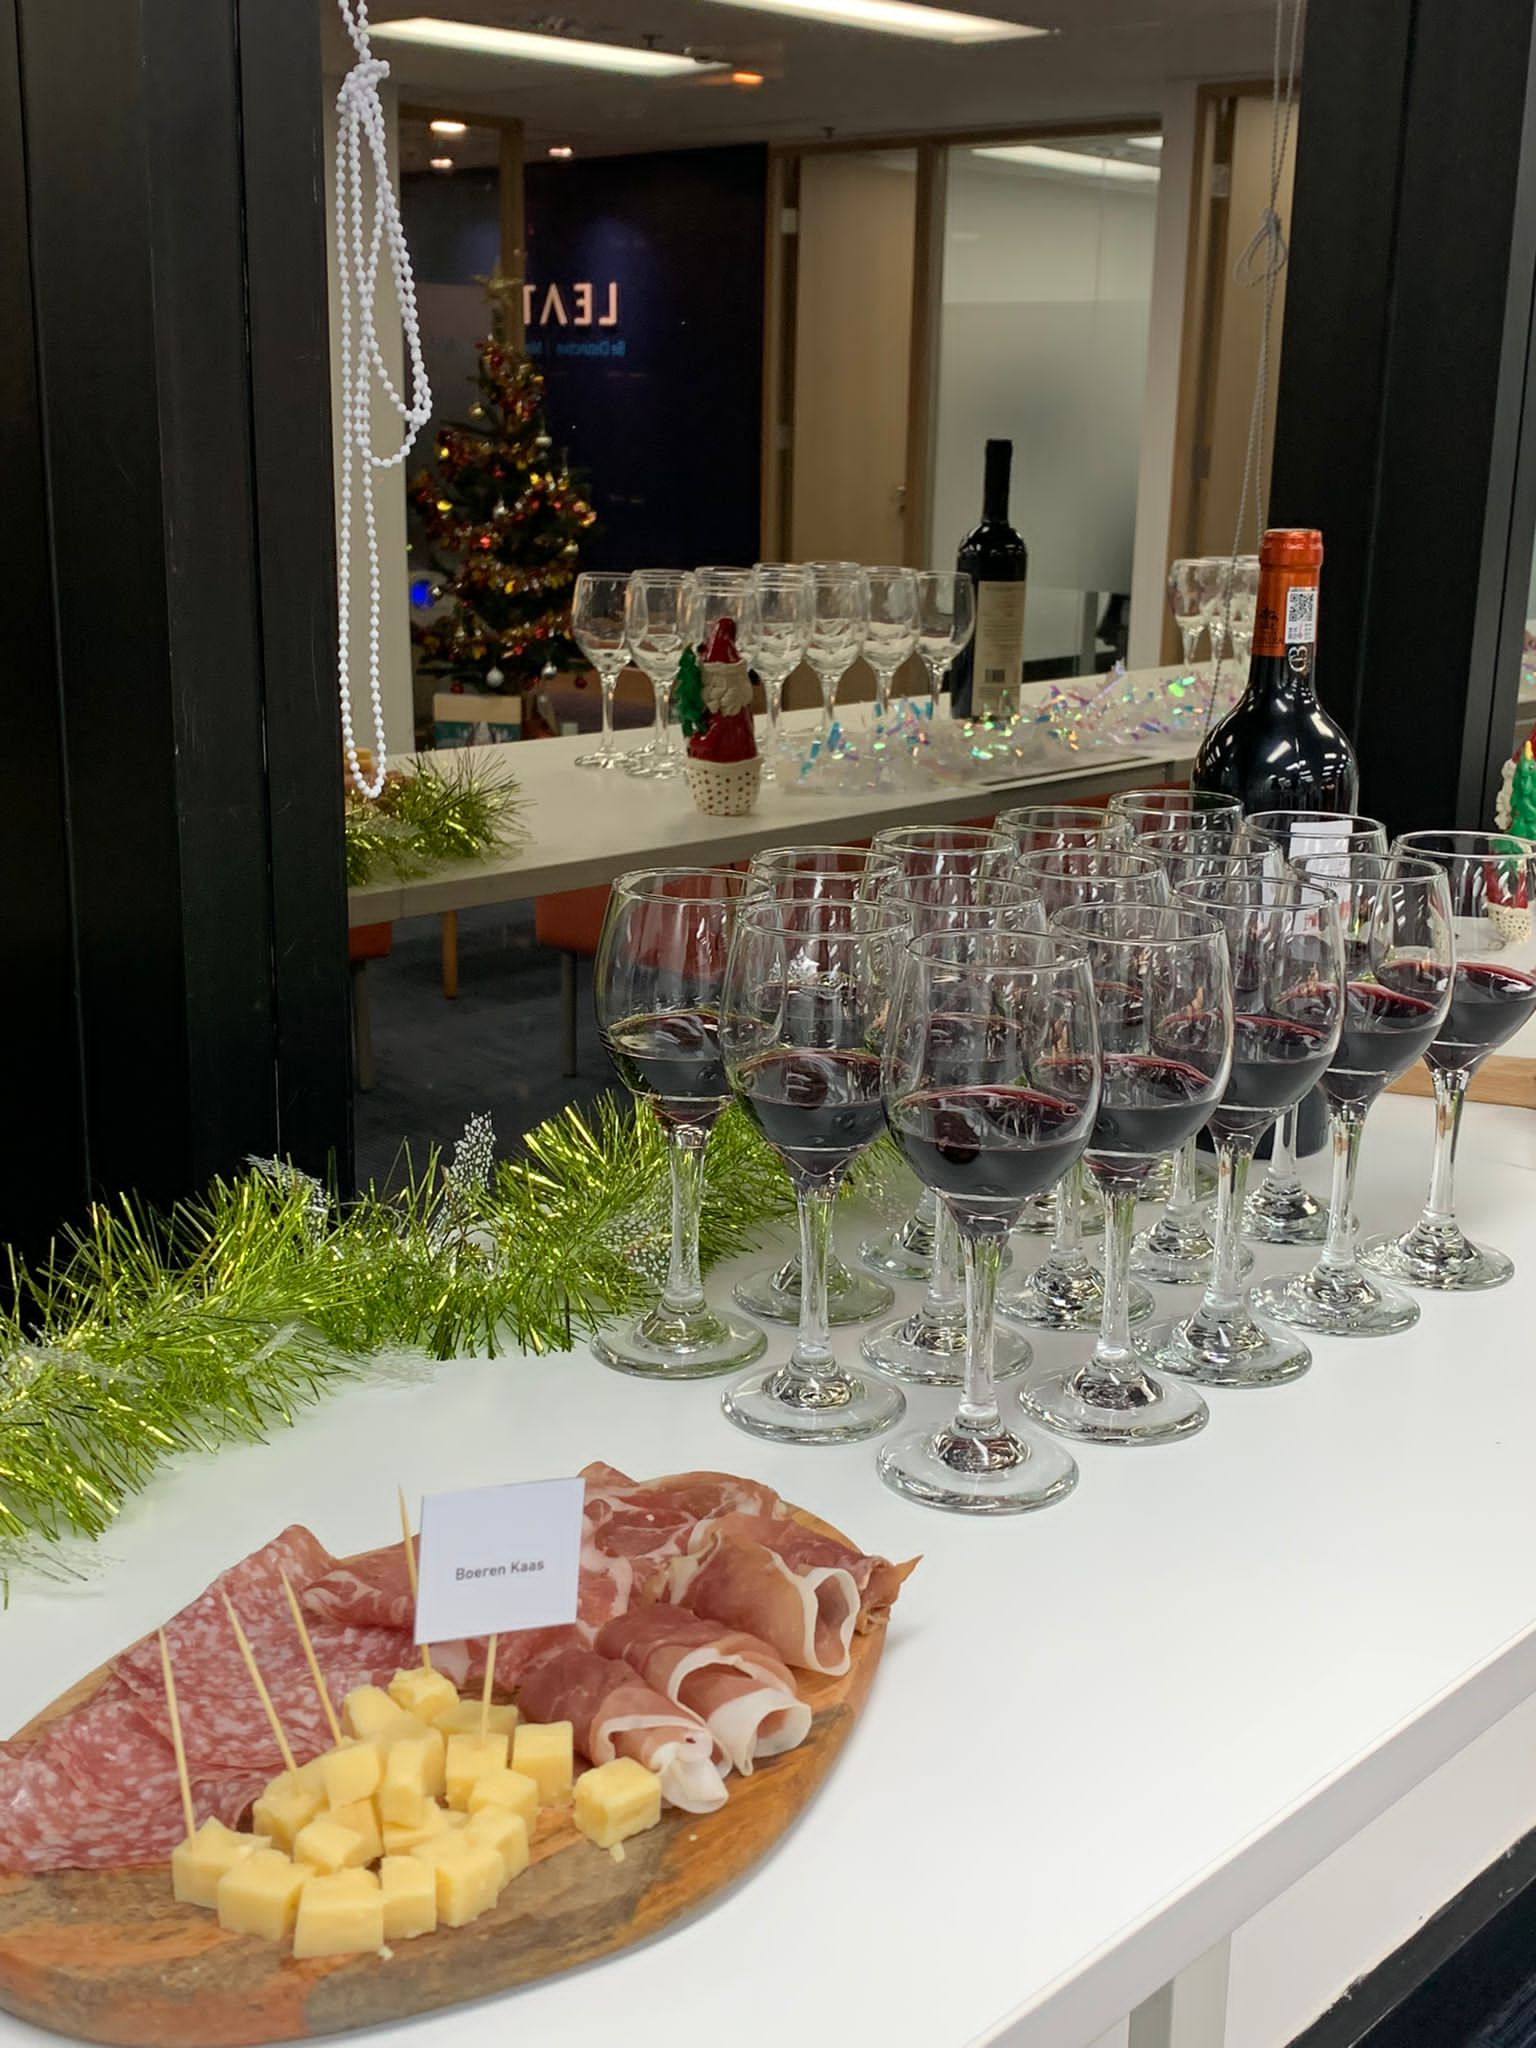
[[586, 826], [1101, 1737]]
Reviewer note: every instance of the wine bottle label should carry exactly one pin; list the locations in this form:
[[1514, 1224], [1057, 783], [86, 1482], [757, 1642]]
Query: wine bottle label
[[997, 668], [1286, 613]]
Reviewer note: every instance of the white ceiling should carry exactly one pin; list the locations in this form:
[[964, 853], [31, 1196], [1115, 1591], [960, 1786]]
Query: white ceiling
[[1108, 58]]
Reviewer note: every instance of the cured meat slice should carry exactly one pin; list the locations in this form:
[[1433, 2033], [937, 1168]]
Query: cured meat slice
[[807, 1614], [878, 1580], [736, 1684], [613, 1712]]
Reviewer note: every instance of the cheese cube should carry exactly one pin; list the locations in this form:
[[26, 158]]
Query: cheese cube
[[506, 1833], [426, 1694], [410, 1897], [469, 1877], [403, 1795], [464, 1719], [312, 1775], [201, 1860], [368, 1708], [400, 1840], [260, 1894], [341, 1913], [617, 1800], [406, 1728], [511, 1790], [327, 1845], [470, 1758], [362, 1817], [351, 1771], [289, 1803], [542, 1751]]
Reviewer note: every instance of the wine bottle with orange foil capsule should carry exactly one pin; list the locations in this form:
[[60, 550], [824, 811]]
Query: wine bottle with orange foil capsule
[[1278, 749]]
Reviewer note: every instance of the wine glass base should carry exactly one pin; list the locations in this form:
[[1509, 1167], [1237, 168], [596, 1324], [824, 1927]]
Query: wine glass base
[[1090, 1408], [1284, 1216], [599, 760], [1006, 1472], [1336, 1306], [902, 1254], [1232, 1351], [1066, 1297], [852, 1297], [926, 1349], [786, 1407], [665, 1346], [1038, 1216], [1442, 1257], [1179, 1254]]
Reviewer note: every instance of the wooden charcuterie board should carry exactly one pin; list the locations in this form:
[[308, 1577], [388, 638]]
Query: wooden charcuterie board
[[108, 1955], [1502, 1078]]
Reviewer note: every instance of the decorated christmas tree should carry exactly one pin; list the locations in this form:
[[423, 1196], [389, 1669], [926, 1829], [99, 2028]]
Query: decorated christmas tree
[[1517, 797], [504, 518]]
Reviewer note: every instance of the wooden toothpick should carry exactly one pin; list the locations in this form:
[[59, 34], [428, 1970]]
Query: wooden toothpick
[[312, 1660], [188, 1811], [261, 1687], [485, 1690], [410, 1565]]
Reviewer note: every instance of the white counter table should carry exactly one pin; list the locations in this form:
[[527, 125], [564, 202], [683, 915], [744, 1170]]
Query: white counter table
[[1102, 1737]]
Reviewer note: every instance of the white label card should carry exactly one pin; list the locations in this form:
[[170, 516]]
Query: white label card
[[499, 1558]]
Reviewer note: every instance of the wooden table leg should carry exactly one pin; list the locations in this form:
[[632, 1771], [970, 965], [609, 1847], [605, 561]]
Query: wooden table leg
[[450, 953]]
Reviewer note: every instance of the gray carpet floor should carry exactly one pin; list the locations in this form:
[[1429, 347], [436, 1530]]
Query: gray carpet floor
[[495, 1048]]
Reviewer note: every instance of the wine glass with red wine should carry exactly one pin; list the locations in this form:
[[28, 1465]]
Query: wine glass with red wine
[[1287, 960], [802, 1027], [991, 1084], [1164, 998], [657, 981], [1492, 880], [1066, 1290], [1399, 959], [827, 874]]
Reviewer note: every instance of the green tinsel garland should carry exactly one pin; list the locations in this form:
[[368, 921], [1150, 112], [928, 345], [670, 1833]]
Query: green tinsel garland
[[429, 817], [146, 1336]]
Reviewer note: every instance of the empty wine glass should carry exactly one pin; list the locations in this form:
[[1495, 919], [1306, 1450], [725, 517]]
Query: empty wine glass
[[1212, 579], [1164, 1000], [1066, 1290], [991, 1082], [839, 618], [1286, 954], [1170, 810], [832, 874], [597, 627], [655, 626], [927, 1346], [891, 629], [1242, 601], [808, 994], [1492, 881], [657, 980], [1186, 604], [1280, 1210], [1399, 957], [946, 600], [775, 627], [714, 595], [1053, 828]]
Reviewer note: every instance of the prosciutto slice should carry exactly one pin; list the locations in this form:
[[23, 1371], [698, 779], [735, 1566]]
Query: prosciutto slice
[[877, 1579], [738, 1686], [614, 1712]]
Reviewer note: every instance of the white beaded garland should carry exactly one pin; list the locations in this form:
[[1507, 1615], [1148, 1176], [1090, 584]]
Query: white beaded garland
[[360, 116]]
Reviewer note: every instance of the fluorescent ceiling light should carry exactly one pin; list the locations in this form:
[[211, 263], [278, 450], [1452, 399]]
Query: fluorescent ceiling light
[[448, 127], [1076, 161], [897, 18], [1145, 141], [525, 46]]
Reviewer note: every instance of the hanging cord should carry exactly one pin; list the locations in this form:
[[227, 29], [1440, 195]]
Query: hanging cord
[[1261, 265], [360, 117]]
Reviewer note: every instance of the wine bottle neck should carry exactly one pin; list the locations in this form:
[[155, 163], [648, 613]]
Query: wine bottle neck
[[995, 480], [1285, 631]]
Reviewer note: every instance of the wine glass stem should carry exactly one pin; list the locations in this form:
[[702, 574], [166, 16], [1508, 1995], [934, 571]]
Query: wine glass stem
[[1068, 1241], [828, 696], [943, 1294], [1183, 1199], [1189, 632], [1282, 1176], [1112, 1353], [610, 682], [773, 690], [978, 1398], [1345, 1127], [1450, 1098], [812, 1355], [882, 693], [1223, 1296], [685, 1152]]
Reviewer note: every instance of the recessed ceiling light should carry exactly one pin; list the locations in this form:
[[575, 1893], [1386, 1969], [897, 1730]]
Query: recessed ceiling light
[[561, 149], [441, 163], [448, 127], [533, 48], [898, 18], [1076, 162], [1145, 141], [748, 78]]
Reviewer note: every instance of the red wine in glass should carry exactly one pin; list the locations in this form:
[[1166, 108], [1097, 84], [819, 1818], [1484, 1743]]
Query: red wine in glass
[[988, 1149], [673, 1059], [1275, 1061], [818, 1110], [1385, 1030], [1489, 1003], [1149, 1105]]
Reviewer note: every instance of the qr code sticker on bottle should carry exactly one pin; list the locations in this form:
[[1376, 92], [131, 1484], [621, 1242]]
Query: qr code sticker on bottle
[[1301, 614]]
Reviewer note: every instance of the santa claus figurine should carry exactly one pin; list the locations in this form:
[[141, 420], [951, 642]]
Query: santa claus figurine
[[713, 697]]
